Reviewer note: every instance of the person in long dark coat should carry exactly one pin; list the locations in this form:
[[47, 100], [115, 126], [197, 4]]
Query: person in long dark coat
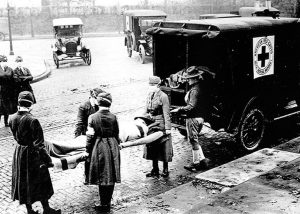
[[103, 149], [158, 107], [8, 97], [23, 77], [85, 109], [31, 180]]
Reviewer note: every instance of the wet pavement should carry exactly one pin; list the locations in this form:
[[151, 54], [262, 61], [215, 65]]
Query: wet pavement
[[58, 98]]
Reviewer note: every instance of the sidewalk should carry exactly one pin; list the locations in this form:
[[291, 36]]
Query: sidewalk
[[266, 181], [38, 66]]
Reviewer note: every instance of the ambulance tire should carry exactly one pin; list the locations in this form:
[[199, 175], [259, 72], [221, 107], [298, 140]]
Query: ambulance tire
[[252, 129]]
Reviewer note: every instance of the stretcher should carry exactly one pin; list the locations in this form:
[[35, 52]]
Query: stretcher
[[68, 154]]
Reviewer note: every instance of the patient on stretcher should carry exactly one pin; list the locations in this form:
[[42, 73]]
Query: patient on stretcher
[[67, 154]]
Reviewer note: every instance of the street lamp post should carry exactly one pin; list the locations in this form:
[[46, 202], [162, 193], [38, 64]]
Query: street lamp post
[[9, 30]]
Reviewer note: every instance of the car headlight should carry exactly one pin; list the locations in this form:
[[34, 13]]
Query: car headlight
[[63, 49], [78, 47]]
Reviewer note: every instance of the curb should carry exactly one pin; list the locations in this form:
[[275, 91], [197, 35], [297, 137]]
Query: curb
[[43, 75]]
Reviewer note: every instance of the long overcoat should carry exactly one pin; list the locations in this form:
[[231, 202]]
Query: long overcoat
[[84, 111], [158, 107], [103, 146], [23, 77], [8, 97], [30, 181]]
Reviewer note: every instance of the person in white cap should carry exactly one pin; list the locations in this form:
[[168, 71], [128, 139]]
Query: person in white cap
[[31, 180], [196, 111]]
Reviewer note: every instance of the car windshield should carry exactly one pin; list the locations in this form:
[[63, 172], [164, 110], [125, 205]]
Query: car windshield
[[148, 23], [68, 31]]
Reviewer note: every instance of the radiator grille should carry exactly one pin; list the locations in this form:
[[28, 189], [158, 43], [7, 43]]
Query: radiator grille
[[71, 48]]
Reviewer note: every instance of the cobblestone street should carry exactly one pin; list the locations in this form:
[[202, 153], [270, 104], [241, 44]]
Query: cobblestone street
[[58, 98]]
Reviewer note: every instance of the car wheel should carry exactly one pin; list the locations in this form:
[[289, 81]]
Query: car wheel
[[142, 54], [129, 47], [56, 60], [2, 36], [252, 129], [88, 57]]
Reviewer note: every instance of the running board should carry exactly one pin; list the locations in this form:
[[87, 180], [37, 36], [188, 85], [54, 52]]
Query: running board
[[287, 115]]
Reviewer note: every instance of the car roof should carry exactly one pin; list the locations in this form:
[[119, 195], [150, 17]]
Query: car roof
[[144, 13], [217, 15], [218, 26], [67, 21], [249, 11]]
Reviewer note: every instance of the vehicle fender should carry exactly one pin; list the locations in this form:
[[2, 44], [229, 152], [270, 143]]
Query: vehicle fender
[[242, 109], [133, 41]]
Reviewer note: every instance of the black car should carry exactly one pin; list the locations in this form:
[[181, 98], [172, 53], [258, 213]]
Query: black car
[[135, 23], [254, 76]]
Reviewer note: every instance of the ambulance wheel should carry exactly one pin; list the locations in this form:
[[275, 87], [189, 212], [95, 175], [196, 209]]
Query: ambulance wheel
[[142, 54], [252, 129]]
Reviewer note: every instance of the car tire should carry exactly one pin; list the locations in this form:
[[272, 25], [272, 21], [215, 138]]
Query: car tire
[[251, 132], [88, 57], [142, 54], [129, 47], [2, 36], [56, 60]]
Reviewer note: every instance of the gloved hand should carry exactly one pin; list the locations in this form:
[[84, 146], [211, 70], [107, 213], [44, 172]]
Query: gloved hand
[[168, 131], [174, 110]]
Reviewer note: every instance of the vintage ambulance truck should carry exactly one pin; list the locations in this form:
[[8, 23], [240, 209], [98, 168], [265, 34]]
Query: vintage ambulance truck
[[254, 76]]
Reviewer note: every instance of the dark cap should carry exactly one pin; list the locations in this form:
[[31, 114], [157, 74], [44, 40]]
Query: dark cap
[[19, 59], [96, 91], [147, 118], [3, 58], [25, 96], [104, 99]]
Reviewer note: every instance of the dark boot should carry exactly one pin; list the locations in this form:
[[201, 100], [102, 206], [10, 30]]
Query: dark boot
[[48, 209], [203, 165], [191, 167], [30, 210], [105, 193], [86, 172], [165, 172], [51, 211], [155, 170]]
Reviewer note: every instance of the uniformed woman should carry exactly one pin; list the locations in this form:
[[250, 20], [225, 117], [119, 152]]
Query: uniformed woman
[[158, 106], [103, 150]]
